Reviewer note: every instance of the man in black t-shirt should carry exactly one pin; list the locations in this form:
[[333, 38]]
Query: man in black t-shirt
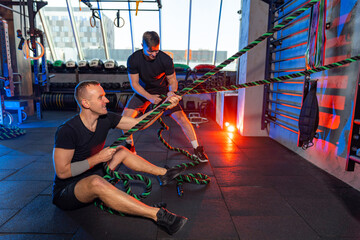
[[79, 155], [151, 73]]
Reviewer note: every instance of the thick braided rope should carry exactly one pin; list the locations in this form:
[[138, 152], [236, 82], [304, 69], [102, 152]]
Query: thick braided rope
[[127, 177], [207, 75], [197, 178], [182, 151], [277, 79], [10, 132], [114, 177]]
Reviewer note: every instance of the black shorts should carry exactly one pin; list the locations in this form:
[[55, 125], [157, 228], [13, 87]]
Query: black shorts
[[140, 104], [64, 197]]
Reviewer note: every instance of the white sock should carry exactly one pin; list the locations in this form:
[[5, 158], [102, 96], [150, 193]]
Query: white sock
[[195, 143]]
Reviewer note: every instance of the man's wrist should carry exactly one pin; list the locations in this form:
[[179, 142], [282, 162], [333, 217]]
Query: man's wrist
[[79, 167]]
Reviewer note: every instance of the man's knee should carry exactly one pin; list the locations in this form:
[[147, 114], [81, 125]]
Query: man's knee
[[121, 154], [97, 183]]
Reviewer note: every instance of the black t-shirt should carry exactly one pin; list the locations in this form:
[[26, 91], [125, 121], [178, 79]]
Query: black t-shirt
[[74, 135], [153, 73]]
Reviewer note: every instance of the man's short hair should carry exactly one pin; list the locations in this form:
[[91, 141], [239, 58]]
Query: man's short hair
[[151, 38], [80, 88]]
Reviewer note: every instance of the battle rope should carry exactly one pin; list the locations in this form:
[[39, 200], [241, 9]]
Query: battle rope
[[197, 178], [10, 132], [277, 79], [215, 70], [114, 177]]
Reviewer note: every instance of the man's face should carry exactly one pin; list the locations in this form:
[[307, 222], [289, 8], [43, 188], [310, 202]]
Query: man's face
[[96, 99], [150, 52]]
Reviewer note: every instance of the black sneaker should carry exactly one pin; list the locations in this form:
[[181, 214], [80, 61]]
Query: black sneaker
[[200, 154], [159, 205], [130, 147], [170, 221], [170, 175]]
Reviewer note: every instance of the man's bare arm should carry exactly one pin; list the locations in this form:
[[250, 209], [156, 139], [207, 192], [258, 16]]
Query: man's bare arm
[[127, 123]]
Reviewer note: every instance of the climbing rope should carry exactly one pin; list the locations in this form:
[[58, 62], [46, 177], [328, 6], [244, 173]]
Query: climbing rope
[[10, 132]]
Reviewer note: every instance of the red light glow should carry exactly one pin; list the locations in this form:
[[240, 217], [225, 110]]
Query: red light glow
[[231, 128]]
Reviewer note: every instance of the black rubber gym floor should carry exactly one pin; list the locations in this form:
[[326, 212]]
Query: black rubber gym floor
[[258, 190]]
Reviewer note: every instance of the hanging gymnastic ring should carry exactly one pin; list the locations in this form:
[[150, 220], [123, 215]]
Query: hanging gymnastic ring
[[92, 21], [120, 25], [26, 50]]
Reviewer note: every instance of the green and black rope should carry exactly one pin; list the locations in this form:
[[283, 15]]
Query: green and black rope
[[215, 70], [182, 151], [207, 75], [114, 177], [277, 79], [10, 132], [197, 178]]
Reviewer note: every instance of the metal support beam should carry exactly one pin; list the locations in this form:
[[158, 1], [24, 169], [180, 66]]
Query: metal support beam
[[188, 48], [8, 8], [32, 12], [103, 33], [217, 34], [160, 30], [48, 35], [74, 29], [131, 30], [267, 67]]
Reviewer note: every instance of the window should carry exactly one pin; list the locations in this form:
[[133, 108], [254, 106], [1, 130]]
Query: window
[[228, 43], [57, 39], [204, 22], [175, 26], [144, 21]]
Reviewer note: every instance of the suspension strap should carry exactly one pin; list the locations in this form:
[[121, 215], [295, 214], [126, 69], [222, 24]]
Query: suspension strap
[[315, 51]]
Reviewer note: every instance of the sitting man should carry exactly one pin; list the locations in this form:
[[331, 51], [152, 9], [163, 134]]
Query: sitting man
[[79, 157]]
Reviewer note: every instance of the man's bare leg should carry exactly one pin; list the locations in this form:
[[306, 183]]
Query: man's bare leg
[[186, 126], [188, 129], [139, 164], [135, 162], [92, 187], [130, 113]]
